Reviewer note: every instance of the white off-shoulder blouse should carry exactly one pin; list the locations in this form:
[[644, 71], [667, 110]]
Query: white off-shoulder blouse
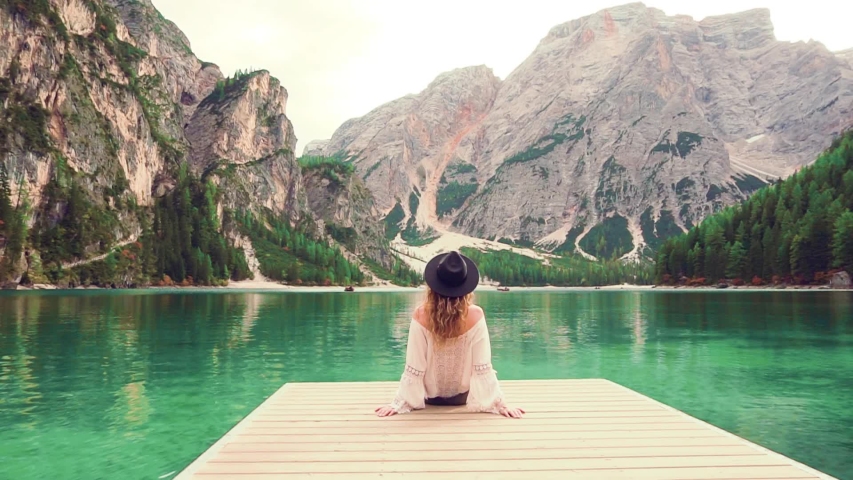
[[459, 365]]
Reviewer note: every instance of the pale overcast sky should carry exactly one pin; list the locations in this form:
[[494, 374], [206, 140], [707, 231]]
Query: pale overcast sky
[[340, 59]]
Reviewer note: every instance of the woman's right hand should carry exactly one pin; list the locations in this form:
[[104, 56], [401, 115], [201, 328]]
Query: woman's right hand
[[510, 412], [385, 411]]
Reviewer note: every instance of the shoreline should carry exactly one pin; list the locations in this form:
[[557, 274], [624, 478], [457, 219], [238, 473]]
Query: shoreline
[[260, 286]]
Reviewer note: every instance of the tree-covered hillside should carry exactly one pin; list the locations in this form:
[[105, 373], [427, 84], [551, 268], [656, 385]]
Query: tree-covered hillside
[[513, 269], [182, 241], [796, 231]]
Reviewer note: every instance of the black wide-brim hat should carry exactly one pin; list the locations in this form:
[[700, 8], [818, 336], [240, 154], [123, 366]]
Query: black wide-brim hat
[[452, 275]]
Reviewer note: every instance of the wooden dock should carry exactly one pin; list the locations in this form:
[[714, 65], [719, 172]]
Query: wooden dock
[[574, 429]]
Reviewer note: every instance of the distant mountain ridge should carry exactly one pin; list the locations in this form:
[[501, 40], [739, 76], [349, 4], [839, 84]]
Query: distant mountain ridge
[[621, 129]]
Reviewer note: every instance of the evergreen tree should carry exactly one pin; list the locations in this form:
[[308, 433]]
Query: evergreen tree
[[6, 209], [755, 255], [148, 256], [12, 226], [736, 261], [842, 241]]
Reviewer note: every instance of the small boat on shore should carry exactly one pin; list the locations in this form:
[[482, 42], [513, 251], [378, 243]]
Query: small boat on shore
[[503, 289], [349, 288]]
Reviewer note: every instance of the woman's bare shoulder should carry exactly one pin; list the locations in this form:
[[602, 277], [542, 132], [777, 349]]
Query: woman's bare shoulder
[[475, 314], [420, 316]]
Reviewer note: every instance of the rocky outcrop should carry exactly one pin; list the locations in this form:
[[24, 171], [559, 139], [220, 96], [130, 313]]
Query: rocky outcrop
[[315, 147], [841, 280], [404, 147], [620, 129], [346, 211], [241, 137], [846, 55], [242, 122]]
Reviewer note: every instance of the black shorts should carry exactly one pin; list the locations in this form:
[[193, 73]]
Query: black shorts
[[455, 400]]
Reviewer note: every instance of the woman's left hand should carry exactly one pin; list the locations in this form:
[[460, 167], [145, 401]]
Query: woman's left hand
[[385, 411], [509, 412]]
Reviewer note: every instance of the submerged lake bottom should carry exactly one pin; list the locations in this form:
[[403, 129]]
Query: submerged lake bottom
[[135, 385]]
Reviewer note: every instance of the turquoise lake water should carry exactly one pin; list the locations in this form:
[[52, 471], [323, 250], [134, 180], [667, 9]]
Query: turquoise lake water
[[135, 385]]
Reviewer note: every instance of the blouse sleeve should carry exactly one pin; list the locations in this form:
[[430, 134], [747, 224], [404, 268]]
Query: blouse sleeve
[[411, 393], [485, 394]]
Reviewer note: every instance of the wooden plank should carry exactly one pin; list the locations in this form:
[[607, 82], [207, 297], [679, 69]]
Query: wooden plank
[[551, 407], [369, 409], [721, 473], [514, 388], [511, 426], [550, 453], [473, 437], [526, 401], [529, 396], [497, 445], [506, 387], [579, 382], [427, 416], [472, 421], [518, 397], [491, 464]]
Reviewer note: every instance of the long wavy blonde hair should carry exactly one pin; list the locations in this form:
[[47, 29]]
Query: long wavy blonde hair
[[446, 315]]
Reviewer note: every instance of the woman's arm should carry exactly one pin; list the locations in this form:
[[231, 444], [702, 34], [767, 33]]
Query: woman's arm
[[411, 393], [485, 394]]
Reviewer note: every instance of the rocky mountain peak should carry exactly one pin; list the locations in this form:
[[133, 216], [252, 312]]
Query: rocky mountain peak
[[743, 31], [620, 129], [607, 22], [315, 147], [462, 77]]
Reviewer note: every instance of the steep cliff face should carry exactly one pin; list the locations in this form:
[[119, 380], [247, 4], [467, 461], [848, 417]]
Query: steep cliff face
[[186, 80], [71, 100], [620, 129], [241, 137], [105, 111]]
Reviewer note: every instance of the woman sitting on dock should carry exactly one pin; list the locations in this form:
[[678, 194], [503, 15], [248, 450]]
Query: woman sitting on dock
[[448, 358]]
